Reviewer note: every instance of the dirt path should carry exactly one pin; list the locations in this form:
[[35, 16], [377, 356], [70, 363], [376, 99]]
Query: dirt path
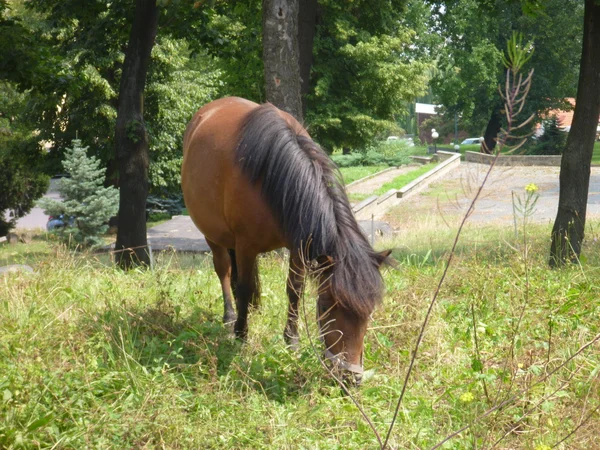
[[447, 200], [372, 184]]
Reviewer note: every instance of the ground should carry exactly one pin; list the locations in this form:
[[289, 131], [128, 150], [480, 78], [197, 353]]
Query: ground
[[92, 357], [372, 184], [449, 198]]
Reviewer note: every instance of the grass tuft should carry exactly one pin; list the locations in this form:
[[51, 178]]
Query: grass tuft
[[91, 357]]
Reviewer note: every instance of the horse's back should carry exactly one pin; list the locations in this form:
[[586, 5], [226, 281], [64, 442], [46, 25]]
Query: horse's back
[[220, 200]]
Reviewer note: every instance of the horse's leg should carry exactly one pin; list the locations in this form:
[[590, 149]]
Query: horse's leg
[[222, 263], [295, 288], [247, 291]]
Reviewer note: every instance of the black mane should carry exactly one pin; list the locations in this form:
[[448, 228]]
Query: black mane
[[304, 190]]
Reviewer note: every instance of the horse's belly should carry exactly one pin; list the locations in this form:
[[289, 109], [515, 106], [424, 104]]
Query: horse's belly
[[224, 206]]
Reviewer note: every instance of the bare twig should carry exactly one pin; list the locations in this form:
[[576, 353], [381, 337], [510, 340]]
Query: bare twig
[[512, 92], [324, 364], [519, 393], [574, 430]]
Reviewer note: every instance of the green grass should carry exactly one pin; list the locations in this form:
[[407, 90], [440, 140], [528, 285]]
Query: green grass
[[91, 357], [396, 183], [596, 154], [403, 180], [351, 174]]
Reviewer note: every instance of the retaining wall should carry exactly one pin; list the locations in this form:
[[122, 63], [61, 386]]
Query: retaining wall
[[378, 205], [514, 160]]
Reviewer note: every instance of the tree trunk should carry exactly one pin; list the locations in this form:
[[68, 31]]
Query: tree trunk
[[280, 55], [131, 138], [307, 25], [569, 226], [491, 131]]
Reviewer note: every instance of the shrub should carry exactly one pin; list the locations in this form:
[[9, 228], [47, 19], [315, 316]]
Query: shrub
[[87, 205], [21, 183], [552, 142], [350, 160], [372, 158]]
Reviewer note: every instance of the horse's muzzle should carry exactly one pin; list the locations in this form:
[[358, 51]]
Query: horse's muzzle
[[351, 373]]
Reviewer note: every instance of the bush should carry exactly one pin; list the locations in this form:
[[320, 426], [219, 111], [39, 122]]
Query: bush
[[21, 183], [552, 142], [165, 205], [87, 204], [371, 158]]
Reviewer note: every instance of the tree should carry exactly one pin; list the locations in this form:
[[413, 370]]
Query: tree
[[87, 205], [469, 57], [131, 138], [365, 70], [281, 55], [569, 227], [307, 28], [21, 180], [66, 56]]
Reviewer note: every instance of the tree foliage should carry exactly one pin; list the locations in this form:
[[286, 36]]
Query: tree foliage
[[470, 67], [364, 72], [72, 57], [86, 204]]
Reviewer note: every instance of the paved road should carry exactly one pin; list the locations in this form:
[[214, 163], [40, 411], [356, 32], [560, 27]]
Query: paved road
[[452, 195], [36, 218], [449, 197]]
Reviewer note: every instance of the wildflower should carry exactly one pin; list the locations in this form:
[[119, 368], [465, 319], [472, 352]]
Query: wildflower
[[467, 397], [543, 447], [531, 187]]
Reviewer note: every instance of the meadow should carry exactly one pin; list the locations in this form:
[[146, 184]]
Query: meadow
[[91, 357]]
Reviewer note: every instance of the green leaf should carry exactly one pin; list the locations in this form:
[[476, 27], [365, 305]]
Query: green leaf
[[476, 365], [7, 395], [42, 421]]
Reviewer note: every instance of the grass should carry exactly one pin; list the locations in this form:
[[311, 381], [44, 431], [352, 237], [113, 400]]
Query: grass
[[403, 180], [396, 183], [596, 154], [91, 357], [351, 174]]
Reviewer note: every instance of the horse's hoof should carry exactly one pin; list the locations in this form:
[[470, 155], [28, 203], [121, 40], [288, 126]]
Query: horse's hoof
[[292, 342], [229, 318], [241, 333]]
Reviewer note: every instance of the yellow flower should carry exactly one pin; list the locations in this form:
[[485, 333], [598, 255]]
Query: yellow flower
[[542, 447], [531, 187], [467, 397]]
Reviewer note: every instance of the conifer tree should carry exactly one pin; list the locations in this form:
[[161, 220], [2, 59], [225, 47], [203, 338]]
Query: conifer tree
[[87, 204]]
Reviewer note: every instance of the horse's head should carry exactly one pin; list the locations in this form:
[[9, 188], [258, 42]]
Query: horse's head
[[343, 328]]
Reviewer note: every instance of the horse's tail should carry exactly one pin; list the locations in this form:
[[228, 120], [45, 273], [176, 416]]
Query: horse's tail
[[255, 300]]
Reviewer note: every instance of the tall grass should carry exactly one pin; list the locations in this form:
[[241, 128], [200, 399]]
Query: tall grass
[[91, 357], [351, 174]]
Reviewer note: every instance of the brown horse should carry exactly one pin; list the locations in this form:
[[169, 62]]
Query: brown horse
[[254, 181]]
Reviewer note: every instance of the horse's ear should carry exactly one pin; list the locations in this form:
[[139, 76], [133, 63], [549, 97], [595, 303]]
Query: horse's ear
[[383, 257]]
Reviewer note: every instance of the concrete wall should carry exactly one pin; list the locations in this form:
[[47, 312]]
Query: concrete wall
[[375, 206], [452, 162], [514, 160]]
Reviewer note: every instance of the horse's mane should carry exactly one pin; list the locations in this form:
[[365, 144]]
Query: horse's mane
[[304, 190]]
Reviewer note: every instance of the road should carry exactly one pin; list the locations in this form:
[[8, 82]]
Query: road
[[449, 198]]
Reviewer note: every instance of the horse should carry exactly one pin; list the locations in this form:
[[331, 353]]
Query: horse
[[254, 181]]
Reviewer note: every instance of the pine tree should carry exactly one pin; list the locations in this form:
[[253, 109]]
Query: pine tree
[[87, 204]]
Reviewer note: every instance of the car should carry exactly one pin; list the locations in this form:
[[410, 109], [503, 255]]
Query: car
[[471, 141], [57, 222]]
